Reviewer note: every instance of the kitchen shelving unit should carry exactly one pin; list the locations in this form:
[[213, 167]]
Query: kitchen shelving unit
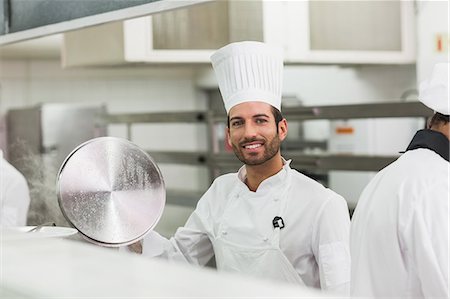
[[218, 161]]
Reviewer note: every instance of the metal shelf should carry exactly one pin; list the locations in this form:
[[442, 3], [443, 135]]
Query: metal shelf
[[160, 117], [372, 110], [300, 160], [354, 111]]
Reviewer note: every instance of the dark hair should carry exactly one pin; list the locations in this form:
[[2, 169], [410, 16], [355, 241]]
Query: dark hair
[[438, 119], [276, 114]]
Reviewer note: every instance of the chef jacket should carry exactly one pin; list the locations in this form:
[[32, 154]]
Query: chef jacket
[[314, 238], [14, 196], [400, 228]]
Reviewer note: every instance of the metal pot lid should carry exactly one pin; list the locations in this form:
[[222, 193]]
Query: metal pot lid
[[111, 191]]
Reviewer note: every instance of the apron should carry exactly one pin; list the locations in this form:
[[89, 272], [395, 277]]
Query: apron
[[264, 261]]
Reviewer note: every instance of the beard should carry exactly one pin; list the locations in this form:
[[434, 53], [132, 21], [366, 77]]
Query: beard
[[271, 148]]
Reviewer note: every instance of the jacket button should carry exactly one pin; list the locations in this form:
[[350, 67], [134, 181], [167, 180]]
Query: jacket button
[[276, 199], [265, 239], [224, 232]]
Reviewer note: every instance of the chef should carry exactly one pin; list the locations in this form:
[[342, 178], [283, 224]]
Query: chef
[[14, 195], [400, 229], [266, 220]]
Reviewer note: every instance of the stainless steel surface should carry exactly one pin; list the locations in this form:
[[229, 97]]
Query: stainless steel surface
[[44, 129], [111, 191]]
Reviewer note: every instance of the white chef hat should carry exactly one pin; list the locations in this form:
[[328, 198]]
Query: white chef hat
[[249, 71], [434, 91]]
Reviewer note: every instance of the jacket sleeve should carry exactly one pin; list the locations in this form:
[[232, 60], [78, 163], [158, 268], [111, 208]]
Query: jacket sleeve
[[190, 243], [331, 245], [15, 199], [426, 240]]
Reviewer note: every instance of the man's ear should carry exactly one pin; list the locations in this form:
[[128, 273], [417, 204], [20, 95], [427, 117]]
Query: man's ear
[[282, 129], [228, 137]]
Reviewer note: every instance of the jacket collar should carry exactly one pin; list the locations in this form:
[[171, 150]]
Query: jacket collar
[[271, 182], [432, 140]]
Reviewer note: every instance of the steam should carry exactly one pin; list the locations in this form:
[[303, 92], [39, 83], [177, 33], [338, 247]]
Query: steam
[[41, 172]]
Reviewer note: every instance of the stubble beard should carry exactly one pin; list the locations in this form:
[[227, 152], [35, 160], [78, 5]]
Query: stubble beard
[[271, 149]]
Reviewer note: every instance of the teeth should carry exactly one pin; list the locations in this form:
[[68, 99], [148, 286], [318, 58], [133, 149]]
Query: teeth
[[252, 146]]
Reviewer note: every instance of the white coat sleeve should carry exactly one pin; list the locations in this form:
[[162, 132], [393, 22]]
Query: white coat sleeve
[[331, 245], [426, 240], [190, 243], [15, 199]]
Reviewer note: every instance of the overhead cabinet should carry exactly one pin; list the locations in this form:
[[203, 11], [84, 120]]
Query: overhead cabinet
[[350, 31], [309, 31], [187, 35]]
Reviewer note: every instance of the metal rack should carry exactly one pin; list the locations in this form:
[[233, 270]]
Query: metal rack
[[220, 162]]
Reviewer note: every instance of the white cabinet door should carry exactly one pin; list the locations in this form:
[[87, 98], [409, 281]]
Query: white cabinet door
[[350, 31], [192, 34]]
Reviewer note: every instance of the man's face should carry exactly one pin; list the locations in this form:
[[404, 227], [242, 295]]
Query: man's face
[[253, 132]]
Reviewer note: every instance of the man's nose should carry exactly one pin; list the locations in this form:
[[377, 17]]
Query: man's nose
[[250, 130]]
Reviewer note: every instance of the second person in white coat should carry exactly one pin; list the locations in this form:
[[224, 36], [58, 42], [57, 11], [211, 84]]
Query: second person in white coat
[[400, 229], [266, 220]]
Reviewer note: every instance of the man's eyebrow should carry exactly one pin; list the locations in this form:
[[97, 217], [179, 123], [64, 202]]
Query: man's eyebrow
[[261, 115], [253, 116], [236, 118]]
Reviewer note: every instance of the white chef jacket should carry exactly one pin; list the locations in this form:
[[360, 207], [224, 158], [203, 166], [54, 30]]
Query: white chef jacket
[[14, 196], [400, 230], [314, 239]]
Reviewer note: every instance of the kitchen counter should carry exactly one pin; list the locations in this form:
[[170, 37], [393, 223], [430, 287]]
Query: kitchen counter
[[61, 268]]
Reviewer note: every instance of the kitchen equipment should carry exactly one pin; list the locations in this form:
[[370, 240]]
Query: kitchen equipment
[[111, 191]]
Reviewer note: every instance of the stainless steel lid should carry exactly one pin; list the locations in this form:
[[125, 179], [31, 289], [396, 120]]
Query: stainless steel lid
[[111, 191]]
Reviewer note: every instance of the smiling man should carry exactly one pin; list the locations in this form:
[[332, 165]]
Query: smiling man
[[267, 220], [255, 131]]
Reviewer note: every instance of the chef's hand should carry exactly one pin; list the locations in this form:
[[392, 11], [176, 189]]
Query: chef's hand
[[136, 247]]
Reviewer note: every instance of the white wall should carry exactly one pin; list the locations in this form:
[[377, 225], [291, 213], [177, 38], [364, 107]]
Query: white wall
[[432, 25]]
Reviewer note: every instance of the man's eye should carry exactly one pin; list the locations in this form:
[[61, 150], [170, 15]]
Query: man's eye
[[236, 123], [261, 121]]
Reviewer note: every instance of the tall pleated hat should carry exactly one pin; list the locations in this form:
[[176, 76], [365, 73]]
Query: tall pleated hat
[[249, 71], [434, 92]]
